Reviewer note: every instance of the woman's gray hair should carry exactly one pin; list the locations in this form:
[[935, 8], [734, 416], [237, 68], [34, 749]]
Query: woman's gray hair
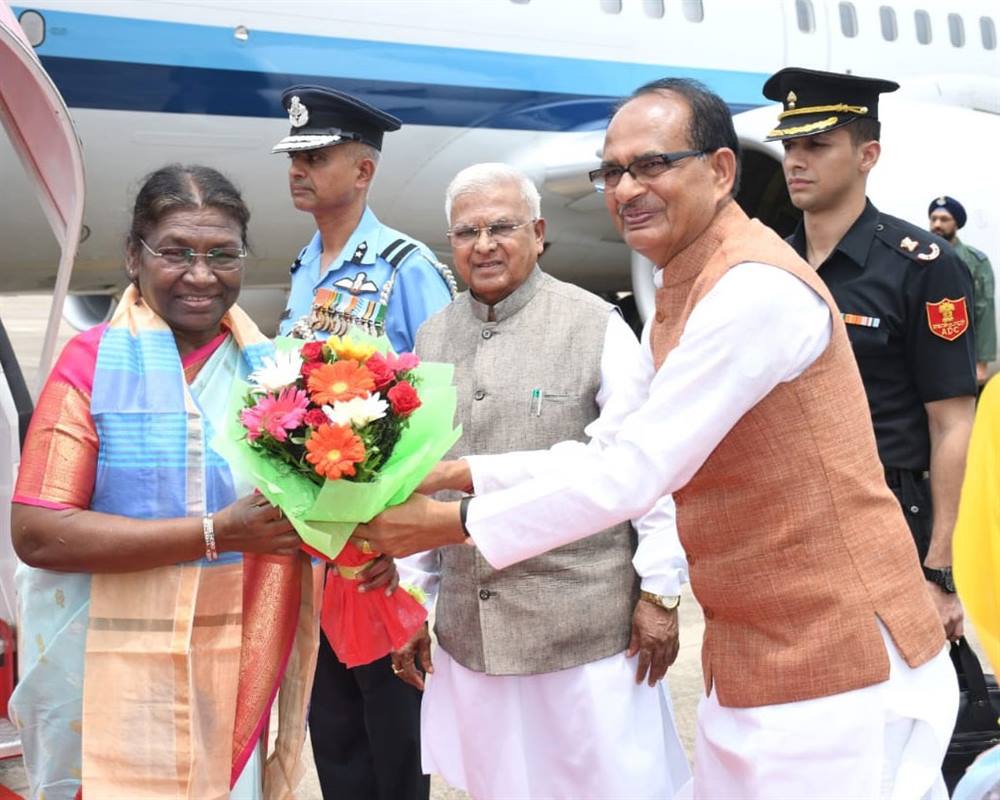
[[484, 177]]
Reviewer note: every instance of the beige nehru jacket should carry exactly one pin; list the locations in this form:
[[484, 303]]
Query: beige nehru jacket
[[574, 604]]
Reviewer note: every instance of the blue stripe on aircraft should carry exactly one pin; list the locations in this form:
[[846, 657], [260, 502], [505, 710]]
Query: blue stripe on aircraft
[[145, 87], [202, 69], [144, 41]]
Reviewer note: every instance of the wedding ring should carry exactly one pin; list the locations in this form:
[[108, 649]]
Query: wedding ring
[[396, 670], [366, 546]]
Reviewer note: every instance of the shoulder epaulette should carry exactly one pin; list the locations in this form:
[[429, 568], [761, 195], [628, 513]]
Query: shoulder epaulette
[[393, 248], [977, 252], [909, 240]]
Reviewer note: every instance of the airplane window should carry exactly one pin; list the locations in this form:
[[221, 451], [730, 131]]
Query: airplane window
[[956, 30], [611, 6], [848, 20], [887, 16], [989, 33], [694, 11], [33, 25], [653, 8], [923, 20], [804, 15]]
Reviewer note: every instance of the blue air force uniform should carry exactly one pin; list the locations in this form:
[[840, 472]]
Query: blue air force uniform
[[383, 281], [364, 722]]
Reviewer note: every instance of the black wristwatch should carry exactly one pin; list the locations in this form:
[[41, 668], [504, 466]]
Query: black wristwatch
[[463, 513], [941, 577]]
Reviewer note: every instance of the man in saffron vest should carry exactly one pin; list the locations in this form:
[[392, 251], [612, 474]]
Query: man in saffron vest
[[824, 662]]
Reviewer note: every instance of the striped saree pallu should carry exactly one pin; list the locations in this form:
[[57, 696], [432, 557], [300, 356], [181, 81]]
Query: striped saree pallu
[[183, 662]]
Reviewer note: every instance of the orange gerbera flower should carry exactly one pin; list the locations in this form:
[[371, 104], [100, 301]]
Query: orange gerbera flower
[[341, 380], [334, 450]]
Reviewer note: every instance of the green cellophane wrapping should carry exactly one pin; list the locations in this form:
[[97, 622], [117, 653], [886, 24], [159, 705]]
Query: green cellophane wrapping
[[326, 516]]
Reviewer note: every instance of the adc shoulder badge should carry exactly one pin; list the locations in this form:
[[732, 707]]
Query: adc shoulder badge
[[948, 319], [910, 246]]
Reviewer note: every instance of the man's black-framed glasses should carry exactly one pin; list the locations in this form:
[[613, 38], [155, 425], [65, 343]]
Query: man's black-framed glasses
[[643, 169], [218, 259]]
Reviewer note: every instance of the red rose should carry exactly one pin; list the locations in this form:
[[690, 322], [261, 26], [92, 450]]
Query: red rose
[[312, 351], [403, 399], [380, 370], [308, 367], [315, 417]]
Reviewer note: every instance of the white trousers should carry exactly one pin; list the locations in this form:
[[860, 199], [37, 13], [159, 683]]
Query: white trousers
[[883, 742], [583, 732]]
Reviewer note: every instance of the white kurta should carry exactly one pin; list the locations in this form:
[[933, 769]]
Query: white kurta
[[585, 731], [757, 327]]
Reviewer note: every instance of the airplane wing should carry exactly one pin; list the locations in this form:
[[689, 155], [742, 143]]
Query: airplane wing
[[39, 126]]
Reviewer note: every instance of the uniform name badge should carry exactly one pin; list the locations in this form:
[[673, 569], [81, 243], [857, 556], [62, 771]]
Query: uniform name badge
[[948, 318], [336, 313]]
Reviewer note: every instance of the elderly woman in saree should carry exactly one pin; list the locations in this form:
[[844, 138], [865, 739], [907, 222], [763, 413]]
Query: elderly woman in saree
[[162, 604]]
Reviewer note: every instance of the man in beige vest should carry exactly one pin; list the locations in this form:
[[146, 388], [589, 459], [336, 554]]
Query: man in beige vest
[[824, 662], [533, 655]]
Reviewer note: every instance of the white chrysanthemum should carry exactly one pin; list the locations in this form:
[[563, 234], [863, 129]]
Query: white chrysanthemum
[[278, 372], [357, 411]]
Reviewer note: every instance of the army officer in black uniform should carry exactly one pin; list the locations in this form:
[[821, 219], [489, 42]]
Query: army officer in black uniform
[[904, 295]]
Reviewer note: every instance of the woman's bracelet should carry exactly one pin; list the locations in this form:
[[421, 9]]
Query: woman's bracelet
[[208, 528]]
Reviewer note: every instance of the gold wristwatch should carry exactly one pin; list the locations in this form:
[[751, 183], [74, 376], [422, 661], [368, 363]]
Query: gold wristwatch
[[663, 601]]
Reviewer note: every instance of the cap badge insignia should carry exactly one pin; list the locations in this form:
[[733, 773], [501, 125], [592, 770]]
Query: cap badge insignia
[[942, 201], [908, 244], [298, 114], [791, 100], [947, 318], [933, 253]]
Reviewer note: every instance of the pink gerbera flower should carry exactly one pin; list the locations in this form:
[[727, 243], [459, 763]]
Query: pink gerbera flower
[[403, 362], [276, 415]]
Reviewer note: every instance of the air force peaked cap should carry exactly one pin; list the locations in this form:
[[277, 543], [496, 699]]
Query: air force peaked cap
[[815, 102], [952, 206], [321, 117]]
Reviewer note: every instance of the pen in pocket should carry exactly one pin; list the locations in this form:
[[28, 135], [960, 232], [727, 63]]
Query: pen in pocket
[[535, 407]]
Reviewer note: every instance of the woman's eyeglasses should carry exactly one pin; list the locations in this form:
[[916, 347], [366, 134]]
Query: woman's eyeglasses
[[218, 259]]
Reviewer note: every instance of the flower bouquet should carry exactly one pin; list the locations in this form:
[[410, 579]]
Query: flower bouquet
[[333, 433]]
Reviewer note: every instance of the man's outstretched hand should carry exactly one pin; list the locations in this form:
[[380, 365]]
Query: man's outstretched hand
[[454, 475], [414, 526]]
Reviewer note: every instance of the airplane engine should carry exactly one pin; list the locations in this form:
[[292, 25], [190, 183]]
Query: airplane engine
[[84, 311]]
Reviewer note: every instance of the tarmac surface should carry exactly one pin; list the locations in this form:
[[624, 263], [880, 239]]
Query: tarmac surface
[[24, 317]]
